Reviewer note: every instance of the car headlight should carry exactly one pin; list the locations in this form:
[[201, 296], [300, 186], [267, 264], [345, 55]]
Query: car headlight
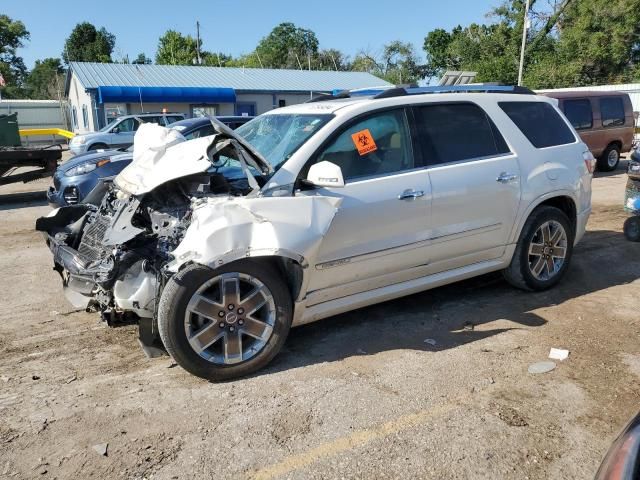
[[84, 168], [79, 140]]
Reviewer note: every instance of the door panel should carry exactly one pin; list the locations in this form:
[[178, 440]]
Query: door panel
[[374, 232], [475, 182], [382, 224]]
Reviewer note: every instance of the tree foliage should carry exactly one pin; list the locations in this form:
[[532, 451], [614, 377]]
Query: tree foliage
[[142, 59], [287, 46], [398, 63], [570, 43], [13, 34], [45, 81], [88, 44], [176, 49]]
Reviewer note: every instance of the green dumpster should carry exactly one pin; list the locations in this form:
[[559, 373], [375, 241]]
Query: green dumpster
[[9, 134]]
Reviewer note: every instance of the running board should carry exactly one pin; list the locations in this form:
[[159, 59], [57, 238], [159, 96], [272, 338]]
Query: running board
[[383, 294]]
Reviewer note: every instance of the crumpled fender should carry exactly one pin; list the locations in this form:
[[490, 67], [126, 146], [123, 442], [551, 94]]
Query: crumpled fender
[[224, 229]]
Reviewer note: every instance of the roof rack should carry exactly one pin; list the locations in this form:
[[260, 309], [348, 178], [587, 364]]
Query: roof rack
[[390, 92]]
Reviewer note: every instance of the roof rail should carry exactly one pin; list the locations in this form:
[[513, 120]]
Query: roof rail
[[390, 92], [483, 88]]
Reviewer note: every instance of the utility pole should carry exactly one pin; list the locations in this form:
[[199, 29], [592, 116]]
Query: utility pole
[[525, 27], [198, 57]]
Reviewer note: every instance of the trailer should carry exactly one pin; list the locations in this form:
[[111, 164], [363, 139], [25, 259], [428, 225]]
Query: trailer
[[23, 164]]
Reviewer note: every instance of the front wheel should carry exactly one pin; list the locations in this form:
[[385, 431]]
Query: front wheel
[[224, 323], [543, 252]]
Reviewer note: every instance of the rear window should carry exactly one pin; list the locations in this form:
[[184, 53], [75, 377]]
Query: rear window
[[612, 111], [539, 122], [455, 132], [578, 112]]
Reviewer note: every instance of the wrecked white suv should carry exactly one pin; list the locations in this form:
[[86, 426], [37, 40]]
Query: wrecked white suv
[[218, 245]]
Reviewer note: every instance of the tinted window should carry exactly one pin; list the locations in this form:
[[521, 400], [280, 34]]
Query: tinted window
[[157, 120], [376, 145], [455, 132], [612, 111], [203, 131], [173, 118], [578, 112], [539, 122]]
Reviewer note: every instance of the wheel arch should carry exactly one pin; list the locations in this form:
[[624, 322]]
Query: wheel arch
[[562, 200]]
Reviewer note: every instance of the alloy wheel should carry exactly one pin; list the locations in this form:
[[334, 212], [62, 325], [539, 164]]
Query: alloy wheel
[[230, 318], [613, 158], [547, 250]]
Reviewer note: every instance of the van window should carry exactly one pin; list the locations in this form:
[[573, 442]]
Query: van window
[[375, 145], [578, 112], [612, 111], [539, 122], [455, 132]]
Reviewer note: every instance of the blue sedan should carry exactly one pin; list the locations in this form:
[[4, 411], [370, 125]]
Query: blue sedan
[[74, 179]]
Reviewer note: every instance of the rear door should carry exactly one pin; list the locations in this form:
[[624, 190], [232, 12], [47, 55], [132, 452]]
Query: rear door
[[475, 181], [381, 227]]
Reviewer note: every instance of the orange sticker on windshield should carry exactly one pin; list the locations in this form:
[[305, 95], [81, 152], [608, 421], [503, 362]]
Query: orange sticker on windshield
[[364, 142]]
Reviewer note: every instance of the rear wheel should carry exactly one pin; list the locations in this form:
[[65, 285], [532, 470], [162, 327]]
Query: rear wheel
[[224, 323], [609, 159], [632, 229], [97, 146], [543, 252]]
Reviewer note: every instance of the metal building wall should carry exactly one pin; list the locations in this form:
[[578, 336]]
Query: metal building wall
[[35, 113]]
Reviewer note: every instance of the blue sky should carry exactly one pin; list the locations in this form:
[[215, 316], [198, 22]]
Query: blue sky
[[235, 27]]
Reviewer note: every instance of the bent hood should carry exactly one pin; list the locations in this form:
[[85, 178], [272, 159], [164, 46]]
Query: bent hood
[[162, 154]]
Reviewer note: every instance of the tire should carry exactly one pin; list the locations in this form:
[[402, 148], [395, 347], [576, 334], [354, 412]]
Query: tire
[[521, 273], [97, 146], [178, 324], [609, 159], [632, 229]]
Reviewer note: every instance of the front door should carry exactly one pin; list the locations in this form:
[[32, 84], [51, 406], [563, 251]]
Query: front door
[[475, 181], [381, 227], [122, 134]]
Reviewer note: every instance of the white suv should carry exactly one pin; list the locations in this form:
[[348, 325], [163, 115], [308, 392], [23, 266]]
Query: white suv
[[217, 246]]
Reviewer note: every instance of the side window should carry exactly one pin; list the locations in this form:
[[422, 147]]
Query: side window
[[156, 120], [539, 122], [376, 145], [128, 125], [612, 111], [200, 132], [455, 132], [578, 112], [85, 116], [173, 118]]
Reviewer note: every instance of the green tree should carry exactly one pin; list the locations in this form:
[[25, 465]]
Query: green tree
[[398, 63], [13, 34], [87, 44], [216, 59], [331, 59], [142, 59], [176, 49], [287, 46], [45, 81]]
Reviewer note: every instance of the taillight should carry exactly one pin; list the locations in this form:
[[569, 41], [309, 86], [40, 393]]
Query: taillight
[[589, 161]]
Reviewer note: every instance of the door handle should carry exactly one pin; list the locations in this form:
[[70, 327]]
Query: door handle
[[505, 177], [409, 193]]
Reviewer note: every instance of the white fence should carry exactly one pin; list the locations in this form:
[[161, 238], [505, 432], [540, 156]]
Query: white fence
[[36, 113]]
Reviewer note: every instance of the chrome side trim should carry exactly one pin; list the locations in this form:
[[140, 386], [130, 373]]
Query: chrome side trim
[[403, 248]]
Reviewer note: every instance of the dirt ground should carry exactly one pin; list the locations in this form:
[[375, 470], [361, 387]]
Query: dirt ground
[[360, 395]]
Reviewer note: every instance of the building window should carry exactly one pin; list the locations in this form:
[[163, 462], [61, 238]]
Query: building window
[[74, 117], [85, 116], [281, 103], [204, 111]]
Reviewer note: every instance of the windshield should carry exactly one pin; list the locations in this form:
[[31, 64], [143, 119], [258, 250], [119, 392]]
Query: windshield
[[278, 136]]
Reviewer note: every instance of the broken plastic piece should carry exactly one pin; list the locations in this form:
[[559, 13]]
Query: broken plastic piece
[[542, 367], [558, 354]]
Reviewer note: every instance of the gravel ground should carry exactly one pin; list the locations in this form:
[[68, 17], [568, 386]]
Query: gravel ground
[[360, 395]]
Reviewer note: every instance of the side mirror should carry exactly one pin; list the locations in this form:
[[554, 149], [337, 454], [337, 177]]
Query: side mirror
[[325, 174], [115, 130]]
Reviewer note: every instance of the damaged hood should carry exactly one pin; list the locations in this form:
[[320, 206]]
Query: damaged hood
[[162, 154]]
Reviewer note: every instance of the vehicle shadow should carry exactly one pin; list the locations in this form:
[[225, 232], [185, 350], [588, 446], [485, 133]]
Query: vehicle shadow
[[448, 314], [621, 169], [13, 201]]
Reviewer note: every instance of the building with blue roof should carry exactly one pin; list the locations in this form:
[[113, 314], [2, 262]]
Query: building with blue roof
[[99, 92]]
